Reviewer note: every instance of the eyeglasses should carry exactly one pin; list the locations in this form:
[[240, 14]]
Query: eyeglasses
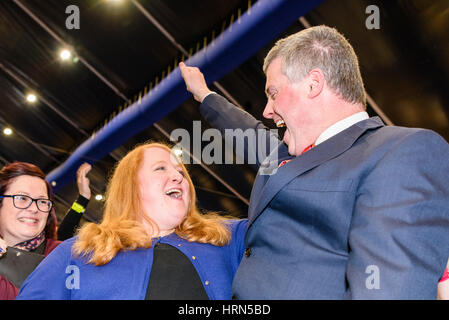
[[21, 201]]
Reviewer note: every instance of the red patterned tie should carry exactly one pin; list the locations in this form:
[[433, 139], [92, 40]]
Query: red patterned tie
[[303, 151]]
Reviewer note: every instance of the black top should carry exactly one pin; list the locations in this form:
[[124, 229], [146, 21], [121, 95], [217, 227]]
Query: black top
[[173, 277], [71, 220], [17, 264], [41, 248]]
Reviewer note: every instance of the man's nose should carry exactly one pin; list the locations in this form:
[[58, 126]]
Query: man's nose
[[268, 111]]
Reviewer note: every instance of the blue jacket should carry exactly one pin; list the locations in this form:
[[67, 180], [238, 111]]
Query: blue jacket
[[363, 215], [60, 276]]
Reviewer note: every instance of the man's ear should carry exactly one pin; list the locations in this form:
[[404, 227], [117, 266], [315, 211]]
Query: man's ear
[[316, 83]]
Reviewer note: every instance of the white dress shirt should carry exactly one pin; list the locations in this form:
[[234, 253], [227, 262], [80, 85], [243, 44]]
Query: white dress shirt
[[341, 125]]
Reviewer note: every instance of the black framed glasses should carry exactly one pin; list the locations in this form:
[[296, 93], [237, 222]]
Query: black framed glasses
[[21, 201]]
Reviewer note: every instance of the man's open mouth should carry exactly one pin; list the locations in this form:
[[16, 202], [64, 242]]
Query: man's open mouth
[[280, 123]]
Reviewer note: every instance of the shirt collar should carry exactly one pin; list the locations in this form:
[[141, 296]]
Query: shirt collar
[[341, 125]]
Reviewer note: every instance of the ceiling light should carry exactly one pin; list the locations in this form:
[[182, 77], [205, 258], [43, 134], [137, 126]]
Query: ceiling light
[[178, 152], [98, 197], [7, 131], [65, 54], [31, 98]]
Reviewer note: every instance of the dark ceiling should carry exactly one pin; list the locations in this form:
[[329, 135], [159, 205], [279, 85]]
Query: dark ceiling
[[121, 52]]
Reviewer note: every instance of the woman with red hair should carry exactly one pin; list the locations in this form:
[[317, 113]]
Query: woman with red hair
[[27, 217], [153, 242]]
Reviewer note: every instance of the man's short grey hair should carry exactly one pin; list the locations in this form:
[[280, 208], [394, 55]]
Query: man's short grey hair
[[324, 48]]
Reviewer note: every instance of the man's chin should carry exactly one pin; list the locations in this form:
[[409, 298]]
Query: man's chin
[[291, 147], [285, 138], [291, 151]]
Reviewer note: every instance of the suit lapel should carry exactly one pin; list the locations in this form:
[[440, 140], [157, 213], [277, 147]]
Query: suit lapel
[[272, 161], [266, 187]]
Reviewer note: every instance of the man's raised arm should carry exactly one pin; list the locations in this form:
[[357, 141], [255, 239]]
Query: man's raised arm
[[250, 138]]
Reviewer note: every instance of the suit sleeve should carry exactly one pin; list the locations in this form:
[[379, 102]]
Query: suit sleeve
[[251, 140], [399, 236]]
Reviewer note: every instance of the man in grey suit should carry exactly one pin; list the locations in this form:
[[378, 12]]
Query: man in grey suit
[[356, 209]]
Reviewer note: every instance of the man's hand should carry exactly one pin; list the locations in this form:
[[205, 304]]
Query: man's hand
[[195, 82], [83, 181]]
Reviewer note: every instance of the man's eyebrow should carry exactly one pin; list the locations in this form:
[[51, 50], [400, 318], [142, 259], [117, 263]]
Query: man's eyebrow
[[269, 90]]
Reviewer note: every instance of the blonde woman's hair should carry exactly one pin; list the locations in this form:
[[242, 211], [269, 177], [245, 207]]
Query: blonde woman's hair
[[121, 227]]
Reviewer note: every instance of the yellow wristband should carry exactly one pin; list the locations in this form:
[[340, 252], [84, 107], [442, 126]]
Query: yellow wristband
[[77, 207]]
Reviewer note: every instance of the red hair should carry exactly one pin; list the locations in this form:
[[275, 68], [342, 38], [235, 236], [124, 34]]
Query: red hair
[[121, 228]]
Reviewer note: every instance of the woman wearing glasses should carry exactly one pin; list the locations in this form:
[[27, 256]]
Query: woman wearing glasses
[[27, 221], [153, 243]]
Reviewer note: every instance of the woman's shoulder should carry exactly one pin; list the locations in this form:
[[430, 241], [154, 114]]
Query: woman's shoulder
[[69, 242], [50, 245], [237, 224], [59, 248], [238, 229]]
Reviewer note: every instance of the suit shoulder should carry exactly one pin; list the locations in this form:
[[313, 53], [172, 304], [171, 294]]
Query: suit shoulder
[[417, 146], [398, 136], [404, 132], [416, 135]]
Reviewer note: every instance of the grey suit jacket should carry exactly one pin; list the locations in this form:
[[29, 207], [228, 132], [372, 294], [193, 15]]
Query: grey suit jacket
[[364, 215]]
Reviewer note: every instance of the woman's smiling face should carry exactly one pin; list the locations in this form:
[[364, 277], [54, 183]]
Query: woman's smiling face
[[18, 225], [164, 190]]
